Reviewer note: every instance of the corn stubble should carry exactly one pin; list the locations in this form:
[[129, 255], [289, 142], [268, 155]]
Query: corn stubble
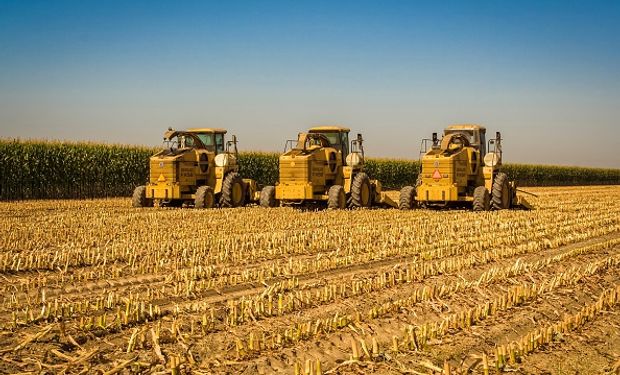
[[177, 291]]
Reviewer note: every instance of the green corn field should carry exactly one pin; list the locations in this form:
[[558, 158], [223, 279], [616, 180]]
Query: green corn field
[[41, 169], [48, 169]]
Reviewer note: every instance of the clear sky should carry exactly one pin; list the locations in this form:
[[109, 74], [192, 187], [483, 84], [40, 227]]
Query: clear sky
[[545, 73]]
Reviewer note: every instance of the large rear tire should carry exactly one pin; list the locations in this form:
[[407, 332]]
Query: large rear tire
[[233, 191], [268, 197], [481, 199], [204, 197], [407, 198], [336, 198], [361, 191], [500, 193], [139, 198]]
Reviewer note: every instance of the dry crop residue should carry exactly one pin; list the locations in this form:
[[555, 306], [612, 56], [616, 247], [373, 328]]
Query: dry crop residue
[[97, 286]]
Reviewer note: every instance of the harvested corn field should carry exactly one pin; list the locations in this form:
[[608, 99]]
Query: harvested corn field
[[99, 287]]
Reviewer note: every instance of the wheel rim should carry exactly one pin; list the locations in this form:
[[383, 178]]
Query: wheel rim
[[341, 199], [209, 200], [505, 196]]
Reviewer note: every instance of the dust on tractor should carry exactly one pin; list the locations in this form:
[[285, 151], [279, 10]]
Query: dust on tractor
[[196, 167], [322, 166], [462, 168]]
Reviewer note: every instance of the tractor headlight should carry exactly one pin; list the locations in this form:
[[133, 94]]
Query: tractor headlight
[[224, 160], [354, 159], [491, 159]]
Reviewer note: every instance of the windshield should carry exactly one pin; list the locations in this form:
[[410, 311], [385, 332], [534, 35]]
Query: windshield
[[207, 140], [334, 138], [185, 141]]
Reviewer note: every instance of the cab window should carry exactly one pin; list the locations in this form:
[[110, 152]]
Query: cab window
[[207, 140], [339, 141], [344, 140], [219, 143], [483, 145], [334, 139], [185, 142]]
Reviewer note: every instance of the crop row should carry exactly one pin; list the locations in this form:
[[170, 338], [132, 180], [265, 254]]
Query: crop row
[[196, 279], [302, 331]]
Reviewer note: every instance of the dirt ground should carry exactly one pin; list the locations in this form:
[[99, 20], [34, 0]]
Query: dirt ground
[[99, 287]]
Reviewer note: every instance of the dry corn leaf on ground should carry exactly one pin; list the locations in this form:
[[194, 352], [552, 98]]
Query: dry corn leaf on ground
[[98, 287]]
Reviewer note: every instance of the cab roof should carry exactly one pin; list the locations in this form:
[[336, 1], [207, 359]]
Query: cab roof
[[332, 128], [465, 127], [206, 130]]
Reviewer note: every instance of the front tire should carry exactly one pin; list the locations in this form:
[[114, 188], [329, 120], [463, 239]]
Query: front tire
[[336, 198], [500, 193], [407, 198], [481, 199], [139, 198], [361, 191], [233, 191], [268, 197], [204, 197]]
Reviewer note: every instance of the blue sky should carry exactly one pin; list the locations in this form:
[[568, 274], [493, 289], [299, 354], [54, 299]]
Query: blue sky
[[545, 73]]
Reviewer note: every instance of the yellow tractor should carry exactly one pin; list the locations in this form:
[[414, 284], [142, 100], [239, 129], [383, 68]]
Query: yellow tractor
[[322, 166], [461, 168], [198, 168]]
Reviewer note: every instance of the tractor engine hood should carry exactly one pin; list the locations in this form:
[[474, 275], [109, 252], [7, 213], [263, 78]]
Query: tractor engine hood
[[164, 166], [294, 167]]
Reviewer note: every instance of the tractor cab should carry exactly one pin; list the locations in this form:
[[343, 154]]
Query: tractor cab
[[211, 138], [337, 136], [311, 141], [466, 140], [467, 135], [176, 142]]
